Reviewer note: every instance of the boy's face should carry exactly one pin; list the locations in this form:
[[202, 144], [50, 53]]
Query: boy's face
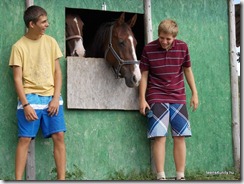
[[166, 40], [41, 25]]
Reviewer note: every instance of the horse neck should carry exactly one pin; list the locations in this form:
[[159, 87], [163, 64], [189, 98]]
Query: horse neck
[[101, 40]]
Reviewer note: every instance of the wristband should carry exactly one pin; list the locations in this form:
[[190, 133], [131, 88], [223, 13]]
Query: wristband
[[26, 105]]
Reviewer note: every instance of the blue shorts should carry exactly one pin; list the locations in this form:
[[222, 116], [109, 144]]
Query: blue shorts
[[49, 125], [165, 113]]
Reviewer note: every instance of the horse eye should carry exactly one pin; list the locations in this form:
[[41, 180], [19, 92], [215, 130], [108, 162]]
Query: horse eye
[[121, 42]]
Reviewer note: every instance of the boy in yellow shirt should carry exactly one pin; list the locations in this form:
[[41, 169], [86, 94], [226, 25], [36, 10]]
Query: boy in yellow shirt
[[38, 81]]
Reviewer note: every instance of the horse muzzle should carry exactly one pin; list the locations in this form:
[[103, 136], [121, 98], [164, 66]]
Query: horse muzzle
[[132, 78]]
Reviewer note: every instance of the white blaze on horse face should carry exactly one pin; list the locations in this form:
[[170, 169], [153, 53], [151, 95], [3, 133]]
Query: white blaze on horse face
[[137, 71], [79, 48], [76, 22], [133, 48]]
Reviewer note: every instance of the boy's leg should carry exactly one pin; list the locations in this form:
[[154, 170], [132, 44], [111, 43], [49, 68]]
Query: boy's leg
[[179, 156], [157, 129], [54, 126], [159, 156], [21, 157], [26, 131], [180, 129], [59, 154]]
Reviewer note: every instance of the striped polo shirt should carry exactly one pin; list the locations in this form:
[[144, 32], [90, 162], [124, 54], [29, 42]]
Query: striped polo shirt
[[166, 76]]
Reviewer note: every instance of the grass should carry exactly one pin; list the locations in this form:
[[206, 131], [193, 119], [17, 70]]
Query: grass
[[76, 174], [228, 175], [148, 175], [133, 175]]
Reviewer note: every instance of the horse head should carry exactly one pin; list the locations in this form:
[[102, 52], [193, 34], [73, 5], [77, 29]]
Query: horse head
[[74, 35], [121, 51]]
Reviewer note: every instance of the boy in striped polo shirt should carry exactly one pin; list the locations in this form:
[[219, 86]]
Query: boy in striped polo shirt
[[164, 63]]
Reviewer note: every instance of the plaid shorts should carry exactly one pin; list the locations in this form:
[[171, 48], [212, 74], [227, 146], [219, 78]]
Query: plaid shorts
[[165, 113]]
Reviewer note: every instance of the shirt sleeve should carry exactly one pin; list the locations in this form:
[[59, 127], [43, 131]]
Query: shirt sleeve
[[15, 57], [187, 59]]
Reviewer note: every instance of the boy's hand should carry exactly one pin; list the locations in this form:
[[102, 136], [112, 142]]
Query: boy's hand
[[30, 113], [194, 102], [53, 107]]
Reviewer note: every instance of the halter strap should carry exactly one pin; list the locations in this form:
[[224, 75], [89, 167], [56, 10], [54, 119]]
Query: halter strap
[[73, 37], [121, 62]]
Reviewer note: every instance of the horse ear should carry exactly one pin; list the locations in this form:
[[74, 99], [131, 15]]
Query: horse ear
[[132, 21], [121, 19]]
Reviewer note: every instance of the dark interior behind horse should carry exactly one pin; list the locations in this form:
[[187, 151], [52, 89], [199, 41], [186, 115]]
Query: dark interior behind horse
[[100, 41]]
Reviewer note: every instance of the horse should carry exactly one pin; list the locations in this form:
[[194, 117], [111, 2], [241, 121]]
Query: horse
[[74, 35], [115, 42]]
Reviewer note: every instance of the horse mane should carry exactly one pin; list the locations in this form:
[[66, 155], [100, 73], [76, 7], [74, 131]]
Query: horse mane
[[100, 41]]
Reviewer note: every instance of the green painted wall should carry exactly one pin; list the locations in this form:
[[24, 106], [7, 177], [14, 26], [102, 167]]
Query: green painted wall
[[102, 142]]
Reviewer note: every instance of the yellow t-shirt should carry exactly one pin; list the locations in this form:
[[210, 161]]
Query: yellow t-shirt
[[37, 59]]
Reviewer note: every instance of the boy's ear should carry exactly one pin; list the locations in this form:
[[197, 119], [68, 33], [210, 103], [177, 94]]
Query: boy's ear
[[31, 24]]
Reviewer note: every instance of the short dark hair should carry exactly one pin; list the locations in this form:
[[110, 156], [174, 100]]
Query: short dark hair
[[32, 13]]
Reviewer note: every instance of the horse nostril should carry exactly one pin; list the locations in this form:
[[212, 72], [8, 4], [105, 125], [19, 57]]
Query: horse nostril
[[133, 79], [76, 53]]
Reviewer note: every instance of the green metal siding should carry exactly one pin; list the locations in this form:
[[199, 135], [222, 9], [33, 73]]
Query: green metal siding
[[102, 142]]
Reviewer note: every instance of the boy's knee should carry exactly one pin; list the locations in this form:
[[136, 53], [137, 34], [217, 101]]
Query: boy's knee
[[24, 140], [160, 139], [179, 139], [59, 136]]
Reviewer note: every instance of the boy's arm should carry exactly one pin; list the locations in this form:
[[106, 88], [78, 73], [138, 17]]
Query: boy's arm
[[17, 72], [191, 82], [53, 107], [30, 113], [57, 80], [142, 92]]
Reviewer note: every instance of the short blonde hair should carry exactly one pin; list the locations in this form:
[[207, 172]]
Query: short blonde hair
[[168, 26]]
